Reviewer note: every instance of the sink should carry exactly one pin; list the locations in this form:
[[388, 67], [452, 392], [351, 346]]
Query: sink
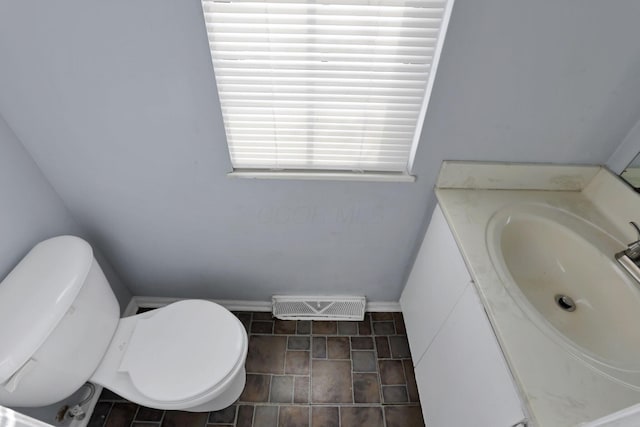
[[560, 270]]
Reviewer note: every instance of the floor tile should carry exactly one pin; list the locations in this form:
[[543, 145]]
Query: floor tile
[[364, 327], [338, 347], [394, 394], [381, 316], [184, 419], [262, 315], [320, 347], [347, 328], [266, 354], [391, 372], [331, 381], [412, 386], [148, 414], [301, 390], [369, 417], [287, 327], [399, 347], [223, 416], [403, 416], [366, 388], [297, 362], [256, 388], [361, 343], [261, 327], [293, 416], [325, 416], [384, 328], [324, 327], [121, 414], [382, 347], [398, 319], [298, 343], [363, 361], [303, 327], [281, 389], [100, 414], [245, 416], [265, 416]]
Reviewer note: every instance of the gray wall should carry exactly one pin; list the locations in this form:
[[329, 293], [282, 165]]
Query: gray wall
[[31, 211], [116, 102], [627, 152]]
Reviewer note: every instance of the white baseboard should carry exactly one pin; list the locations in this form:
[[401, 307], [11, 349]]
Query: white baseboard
[[241, 305], [383, 306]]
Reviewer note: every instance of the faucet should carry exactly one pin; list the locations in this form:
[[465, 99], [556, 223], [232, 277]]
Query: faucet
[[630, 257]]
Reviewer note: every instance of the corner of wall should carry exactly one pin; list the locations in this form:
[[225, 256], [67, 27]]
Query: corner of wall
[[626, 151]]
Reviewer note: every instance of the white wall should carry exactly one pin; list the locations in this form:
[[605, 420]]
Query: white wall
[[116, 102], [31, 211]]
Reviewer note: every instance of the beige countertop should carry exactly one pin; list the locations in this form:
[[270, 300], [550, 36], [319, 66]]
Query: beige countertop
[[557, 388]]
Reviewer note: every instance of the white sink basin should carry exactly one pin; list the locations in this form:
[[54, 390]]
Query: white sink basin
[[544, 255]]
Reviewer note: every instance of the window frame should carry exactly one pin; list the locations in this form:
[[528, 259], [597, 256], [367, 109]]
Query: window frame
[[353, 175]]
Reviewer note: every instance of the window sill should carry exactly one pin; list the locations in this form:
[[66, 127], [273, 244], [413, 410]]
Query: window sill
[[324, 175]]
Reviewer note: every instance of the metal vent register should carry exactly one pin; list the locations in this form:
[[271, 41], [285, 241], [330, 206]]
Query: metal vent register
[[318, 308]]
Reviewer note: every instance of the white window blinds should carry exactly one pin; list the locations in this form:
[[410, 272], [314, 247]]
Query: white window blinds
[[323, 85]]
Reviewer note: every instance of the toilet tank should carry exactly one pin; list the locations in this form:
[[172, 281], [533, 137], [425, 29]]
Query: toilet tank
[[57, 317]]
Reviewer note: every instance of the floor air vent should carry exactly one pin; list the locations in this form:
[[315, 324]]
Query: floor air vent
[[318, 308]]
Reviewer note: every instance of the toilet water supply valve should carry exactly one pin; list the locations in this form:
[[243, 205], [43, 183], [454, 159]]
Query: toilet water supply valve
[[76, 412]]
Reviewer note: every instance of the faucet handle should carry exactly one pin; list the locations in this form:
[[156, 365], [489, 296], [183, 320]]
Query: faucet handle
[[633, 248], [634, 225]]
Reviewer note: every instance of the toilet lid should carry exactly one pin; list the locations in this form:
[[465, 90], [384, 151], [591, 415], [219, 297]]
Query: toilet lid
[[183, 350]]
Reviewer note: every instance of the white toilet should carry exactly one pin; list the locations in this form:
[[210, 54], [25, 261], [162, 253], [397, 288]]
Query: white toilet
[[60, 327]]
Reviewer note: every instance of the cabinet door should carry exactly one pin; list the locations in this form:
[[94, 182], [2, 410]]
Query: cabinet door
[[436, 281], [463, 378]]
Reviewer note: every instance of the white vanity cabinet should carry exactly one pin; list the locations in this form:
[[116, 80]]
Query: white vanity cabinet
[[462, 376], [437, 280]]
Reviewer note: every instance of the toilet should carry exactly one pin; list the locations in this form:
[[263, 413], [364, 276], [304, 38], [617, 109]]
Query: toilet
[[60, 327]]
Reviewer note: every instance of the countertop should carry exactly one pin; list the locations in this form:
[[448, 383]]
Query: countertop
[[557, 388]]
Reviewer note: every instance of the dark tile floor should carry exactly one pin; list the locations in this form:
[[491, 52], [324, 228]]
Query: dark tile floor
[[304, 374]]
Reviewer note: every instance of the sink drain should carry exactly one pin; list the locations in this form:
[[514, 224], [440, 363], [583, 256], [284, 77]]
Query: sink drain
[[565, 302]]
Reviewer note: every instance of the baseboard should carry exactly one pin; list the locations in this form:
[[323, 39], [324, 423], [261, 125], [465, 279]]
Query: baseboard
[[384, 306], [242, 305]]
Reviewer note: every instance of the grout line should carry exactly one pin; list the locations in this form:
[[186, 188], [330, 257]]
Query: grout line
[[108, 414], [253, 414], [384, 416]]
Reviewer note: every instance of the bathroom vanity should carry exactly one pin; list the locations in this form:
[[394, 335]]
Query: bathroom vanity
[[459, 367], [493, 341]]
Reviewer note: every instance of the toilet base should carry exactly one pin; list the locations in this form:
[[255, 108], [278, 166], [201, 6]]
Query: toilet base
[[228, 398]]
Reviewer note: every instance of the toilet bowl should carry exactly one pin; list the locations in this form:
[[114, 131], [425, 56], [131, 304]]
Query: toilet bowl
[[188, 355], [60, 327]]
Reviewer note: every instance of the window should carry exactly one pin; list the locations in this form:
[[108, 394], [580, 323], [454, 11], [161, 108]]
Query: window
[[324, 86]]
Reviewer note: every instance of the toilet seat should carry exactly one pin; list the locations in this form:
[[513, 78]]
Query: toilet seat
[[175, 356]]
